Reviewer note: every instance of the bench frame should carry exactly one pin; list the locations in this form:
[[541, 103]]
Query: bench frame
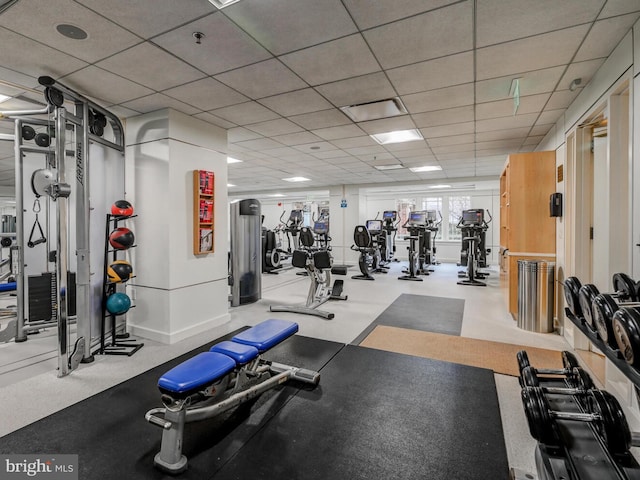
[[242, 384]]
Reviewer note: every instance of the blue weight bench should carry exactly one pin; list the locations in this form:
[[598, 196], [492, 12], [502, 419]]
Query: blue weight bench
[[229, 374]]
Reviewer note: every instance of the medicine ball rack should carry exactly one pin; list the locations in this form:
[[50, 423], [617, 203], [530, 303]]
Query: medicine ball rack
[[120, 343], [572, 433]]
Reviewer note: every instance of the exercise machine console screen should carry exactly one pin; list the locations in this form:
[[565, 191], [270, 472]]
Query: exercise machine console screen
[[374, 226], [418, 218], [473, 217]]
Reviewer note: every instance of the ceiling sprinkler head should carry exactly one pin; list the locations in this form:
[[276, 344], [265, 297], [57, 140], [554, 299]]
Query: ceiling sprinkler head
[[198, 36]]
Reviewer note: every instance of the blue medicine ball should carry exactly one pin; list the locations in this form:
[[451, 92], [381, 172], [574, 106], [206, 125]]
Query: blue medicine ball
[[118, 303]]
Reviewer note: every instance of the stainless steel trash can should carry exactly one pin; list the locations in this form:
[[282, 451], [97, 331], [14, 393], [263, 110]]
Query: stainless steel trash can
[[535, 295]]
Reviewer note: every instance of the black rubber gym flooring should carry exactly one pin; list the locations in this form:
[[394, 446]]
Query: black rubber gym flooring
[[420, 312], [375, 415]]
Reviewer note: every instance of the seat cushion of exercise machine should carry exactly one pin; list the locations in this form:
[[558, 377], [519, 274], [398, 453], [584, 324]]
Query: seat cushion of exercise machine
[[267, 334], [239, 352], [197, 372]]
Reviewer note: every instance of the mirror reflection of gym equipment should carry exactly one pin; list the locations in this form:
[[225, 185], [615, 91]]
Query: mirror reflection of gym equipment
[[473, 253]]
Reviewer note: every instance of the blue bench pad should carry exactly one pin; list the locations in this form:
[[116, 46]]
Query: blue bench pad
[[201, 370], [8, 287], [240, 353], [267, 334]]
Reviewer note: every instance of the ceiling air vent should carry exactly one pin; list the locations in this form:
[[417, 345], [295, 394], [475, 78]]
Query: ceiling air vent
[[390, 107]]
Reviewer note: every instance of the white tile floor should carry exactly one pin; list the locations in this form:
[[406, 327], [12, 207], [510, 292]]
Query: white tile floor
[[30, 389]]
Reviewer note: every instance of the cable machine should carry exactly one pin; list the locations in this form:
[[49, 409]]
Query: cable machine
[[73, 129]]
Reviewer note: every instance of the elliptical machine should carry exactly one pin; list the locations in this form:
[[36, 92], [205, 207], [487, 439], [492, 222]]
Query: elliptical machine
[[473, 254], [417, 221], [388, 238], [292, 229], [433, 227]]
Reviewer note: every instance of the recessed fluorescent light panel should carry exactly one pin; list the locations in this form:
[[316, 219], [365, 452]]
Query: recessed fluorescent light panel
[[230, 185], [4, 98], [390, 107], [389, 167], [398, 136], [233, 160], [426, 168], [439, 186], [296, 179], [220, 4], [277, 195]]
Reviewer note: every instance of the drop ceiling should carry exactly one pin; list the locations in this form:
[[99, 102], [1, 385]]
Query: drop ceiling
[[275, 74]]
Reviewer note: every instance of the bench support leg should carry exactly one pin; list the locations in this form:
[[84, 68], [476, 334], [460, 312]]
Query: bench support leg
[[170, 458]]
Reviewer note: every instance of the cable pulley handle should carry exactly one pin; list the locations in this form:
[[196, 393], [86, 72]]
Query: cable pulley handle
[[32, 243]]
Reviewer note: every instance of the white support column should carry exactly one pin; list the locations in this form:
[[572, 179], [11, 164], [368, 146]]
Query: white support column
[[177, 294]]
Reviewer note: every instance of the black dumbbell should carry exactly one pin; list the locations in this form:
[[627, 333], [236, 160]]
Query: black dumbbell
[[569, 362], [604, 308], [578, 380], [603, 410], [626, 330], [572, 287], [624, 290]]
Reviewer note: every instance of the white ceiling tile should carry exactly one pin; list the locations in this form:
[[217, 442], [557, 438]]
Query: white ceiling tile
[[149, 17], [238, 48], [414, 153], [245, 113], [371, 13], [444, 117], [148, 65], [505, 108], [262, 79], [447, 130], [41, 60], [270, 128], [315, 147], [158, 101], [452, 140], [362, 141], [206, 94], [329, 154], [541, 129], [296, 103], [371, 150], [334, 133], [281, 152], [549, 116], [502, 123], [217, 121], [438, 73], [260, 144], [367, 88], [531, 83], [104, 85], [619, 7], [378, 159], [562, 99], [468, 147], [123, 112], [533, 140], [533, 53], [299, 138], [240, 134], [502, 134], [604, 36], [440, 99], [504, 20], [289, 25], [322, 119], [38, 20], [332, 61], [510, 144], [430, 35]]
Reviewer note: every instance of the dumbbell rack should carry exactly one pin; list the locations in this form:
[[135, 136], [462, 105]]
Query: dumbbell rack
[[582, 454], [612, 354]]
